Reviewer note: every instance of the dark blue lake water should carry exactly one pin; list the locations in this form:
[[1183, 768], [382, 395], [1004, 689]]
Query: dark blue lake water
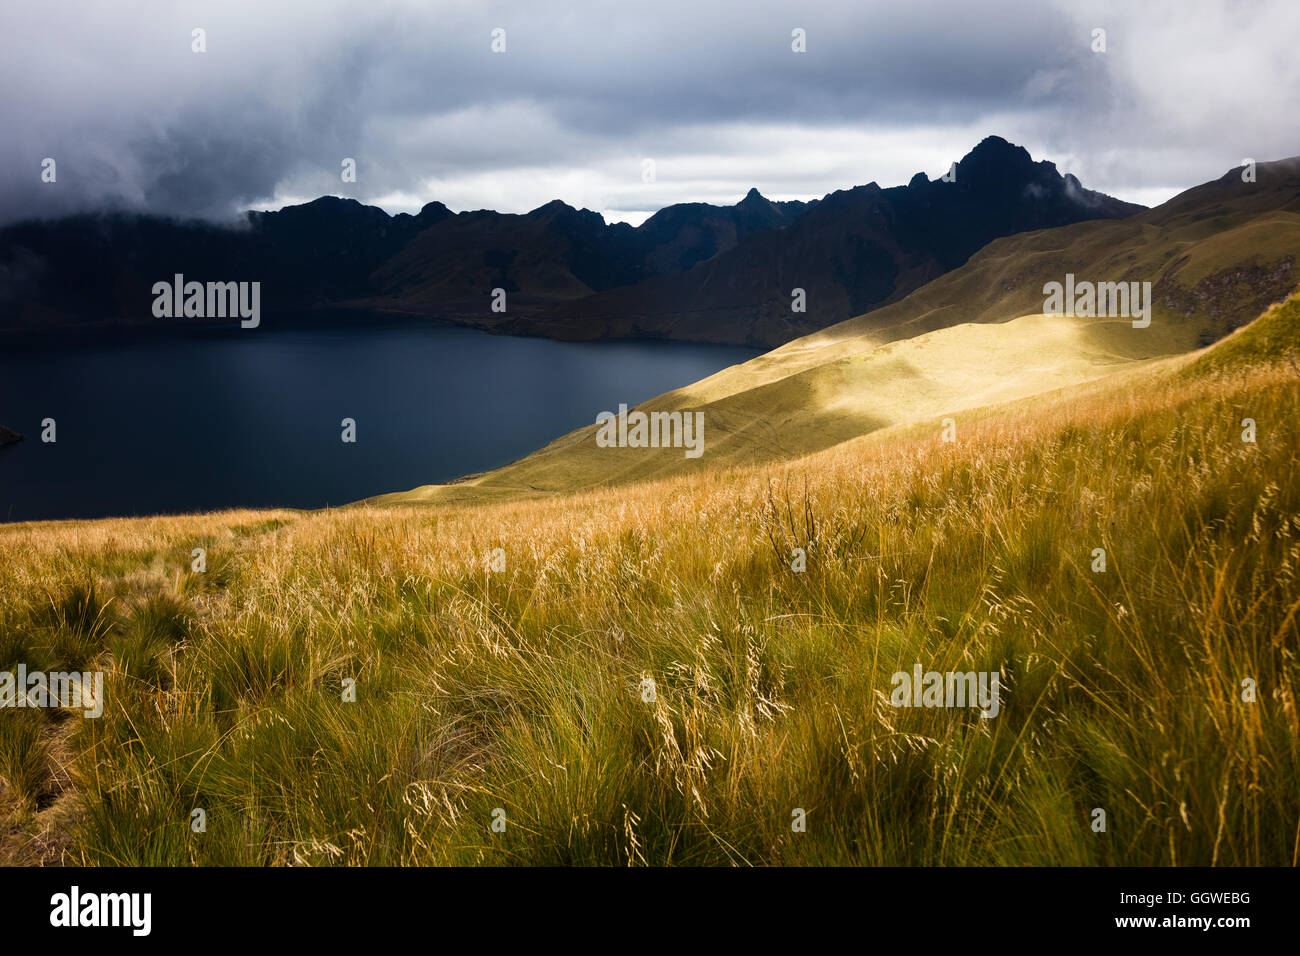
[[198, 421]]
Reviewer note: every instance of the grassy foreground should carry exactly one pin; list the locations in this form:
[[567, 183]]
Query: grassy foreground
[[520, 695]]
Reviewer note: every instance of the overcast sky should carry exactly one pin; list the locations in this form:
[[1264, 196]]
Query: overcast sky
[[586, 92]]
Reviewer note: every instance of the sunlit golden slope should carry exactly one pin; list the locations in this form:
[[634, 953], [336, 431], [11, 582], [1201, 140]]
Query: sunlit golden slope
[[856, 387]]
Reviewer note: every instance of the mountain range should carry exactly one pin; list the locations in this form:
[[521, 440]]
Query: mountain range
[[692, 271]]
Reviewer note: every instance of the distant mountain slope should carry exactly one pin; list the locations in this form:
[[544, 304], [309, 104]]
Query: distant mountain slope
[[1216, 256], [556, 253], [681, 236], [857, 250]]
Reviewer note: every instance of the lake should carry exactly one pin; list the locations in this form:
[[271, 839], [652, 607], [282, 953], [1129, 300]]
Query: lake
[[171, 422]]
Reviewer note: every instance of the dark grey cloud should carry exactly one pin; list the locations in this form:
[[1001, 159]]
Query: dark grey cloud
[[586, 91]]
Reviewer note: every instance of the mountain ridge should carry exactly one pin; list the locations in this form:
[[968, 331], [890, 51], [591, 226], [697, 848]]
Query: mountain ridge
[[563, 269], [859, 249]]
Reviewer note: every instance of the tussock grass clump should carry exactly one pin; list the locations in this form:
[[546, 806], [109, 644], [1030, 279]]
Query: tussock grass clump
[[144, 649], [24, 757], [78, 620]]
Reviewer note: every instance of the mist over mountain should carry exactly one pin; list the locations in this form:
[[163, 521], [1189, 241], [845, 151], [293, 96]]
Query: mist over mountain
[[692, 271]]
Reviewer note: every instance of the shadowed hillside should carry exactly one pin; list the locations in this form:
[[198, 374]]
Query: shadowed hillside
[[857, 250]]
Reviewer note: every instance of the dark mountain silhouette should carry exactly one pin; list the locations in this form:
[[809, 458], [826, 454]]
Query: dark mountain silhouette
[[691, 271], [100, 269], [558, 253], [554, 252], [681, 236], [857, 250]]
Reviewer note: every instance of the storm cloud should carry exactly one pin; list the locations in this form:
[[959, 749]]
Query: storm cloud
[[586, 92]]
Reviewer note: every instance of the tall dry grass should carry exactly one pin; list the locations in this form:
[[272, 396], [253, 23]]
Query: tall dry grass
[[522, 694]]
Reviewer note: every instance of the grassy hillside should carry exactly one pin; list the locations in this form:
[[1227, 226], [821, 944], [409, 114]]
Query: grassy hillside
[[521, 694], [798, 400], [1216, 256]]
